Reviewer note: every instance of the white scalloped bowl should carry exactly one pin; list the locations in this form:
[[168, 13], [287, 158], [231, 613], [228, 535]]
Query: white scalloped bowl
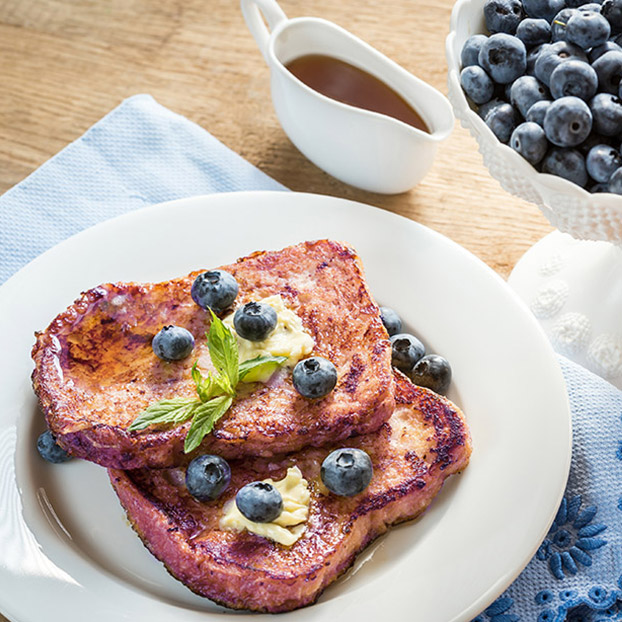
[[568, 207]]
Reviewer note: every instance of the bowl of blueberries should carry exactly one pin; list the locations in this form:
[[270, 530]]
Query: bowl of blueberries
[[538, 84]]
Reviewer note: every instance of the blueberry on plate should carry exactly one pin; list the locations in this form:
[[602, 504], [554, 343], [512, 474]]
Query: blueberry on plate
[[502, 120], [347, 472], [587, 29], [314, 377], [526, 91], [391, 320], [50, 450], [568, 122], [574, 78], [537, 112], [607, 114], [529, 140], [504, 57], [255, 321], [608, 67], [566, 163], [406, 350], [470, 50], [214, 289], [503, 15], [207, 477], [476, 84], [260, 502], [534, 32], [173, 343], [433, 372]]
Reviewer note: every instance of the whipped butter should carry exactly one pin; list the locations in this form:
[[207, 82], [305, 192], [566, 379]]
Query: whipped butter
[[288, 338], [289, 525]]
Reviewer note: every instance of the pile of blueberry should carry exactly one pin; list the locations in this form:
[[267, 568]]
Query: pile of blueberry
[[547, 82], [408, 355]]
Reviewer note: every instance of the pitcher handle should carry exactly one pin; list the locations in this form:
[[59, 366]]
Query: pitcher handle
[[253, 10]]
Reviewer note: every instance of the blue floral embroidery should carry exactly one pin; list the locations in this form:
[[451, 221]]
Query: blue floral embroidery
[[498, 612], [572, 538]]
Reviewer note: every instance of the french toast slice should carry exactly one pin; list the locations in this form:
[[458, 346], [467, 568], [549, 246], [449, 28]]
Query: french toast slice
[[425, 440], [95, 370]]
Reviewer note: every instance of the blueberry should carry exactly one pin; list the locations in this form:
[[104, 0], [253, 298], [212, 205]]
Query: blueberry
[[526, 91], [545, 9], [568, 122], [615, 182], [504, 57], [602, 161], [215, 289], [470, 50], [476, 84], [529, 140], [534, 32], [173, 343], [607, 114], [591, 6], [260, 502], [587, 29], [433, 372], [346, 472], [612, 11], [486, 108], [566, 163], [597, 52], [314, 377], [391, 320], [609, 70], [532, 57], [254, 321], [207, 477], [537, 112], [553, 55], [50, 450], [595, 139], [503, 15], [502, 120], [597, 188], [575, 78], [558, 27], [406, 350]]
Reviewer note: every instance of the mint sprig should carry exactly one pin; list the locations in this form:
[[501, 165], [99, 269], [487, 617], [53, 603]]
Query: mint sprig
[[215, 392]]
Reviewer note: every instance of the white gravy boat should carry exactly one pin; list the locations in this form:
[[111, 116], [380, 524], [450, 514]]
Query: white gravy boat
[[366, 149]]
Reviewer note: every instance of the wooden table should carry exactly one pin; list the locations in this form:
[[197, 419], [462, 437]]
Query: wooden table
[[66, 63]]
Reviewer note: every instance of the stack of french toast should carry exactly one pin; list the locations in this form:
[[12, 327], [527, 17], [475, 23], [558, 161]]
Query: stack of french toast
[[96, 373]]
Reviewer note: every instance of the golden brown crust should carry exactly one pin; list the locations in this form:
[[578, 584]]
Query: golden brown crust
[[424, 442], [95, 369]]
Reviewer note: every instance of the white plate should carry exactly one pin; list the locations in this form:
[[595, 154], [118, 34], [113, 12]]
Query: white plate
[[66, 551]]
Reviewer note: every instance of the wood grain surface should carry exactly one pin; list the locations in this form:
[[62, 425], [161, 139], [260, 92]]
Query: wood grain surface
[[66, 63]]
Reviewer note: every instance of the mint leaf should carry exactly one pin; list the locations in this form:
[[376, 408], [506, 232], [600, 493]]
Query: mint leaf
[[259, 366], [205, 417], [223, 350], [176, 410], [207, 388]]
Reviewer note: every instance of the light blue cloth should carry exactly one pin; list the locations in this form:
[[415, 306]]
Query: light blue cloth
[[141, 153]]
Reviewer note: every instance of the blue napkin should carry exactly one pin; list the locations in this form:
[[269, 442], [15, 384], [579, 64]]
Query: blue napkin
[[141, 153]]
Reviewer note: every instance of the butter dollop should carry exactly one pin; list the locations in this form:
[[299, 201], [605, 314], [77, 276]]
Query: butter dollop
[[289, 526], [289, 338]]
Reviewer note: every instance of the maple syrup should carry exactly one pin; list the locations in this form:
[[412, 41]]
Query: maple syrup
[[350, 85]]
